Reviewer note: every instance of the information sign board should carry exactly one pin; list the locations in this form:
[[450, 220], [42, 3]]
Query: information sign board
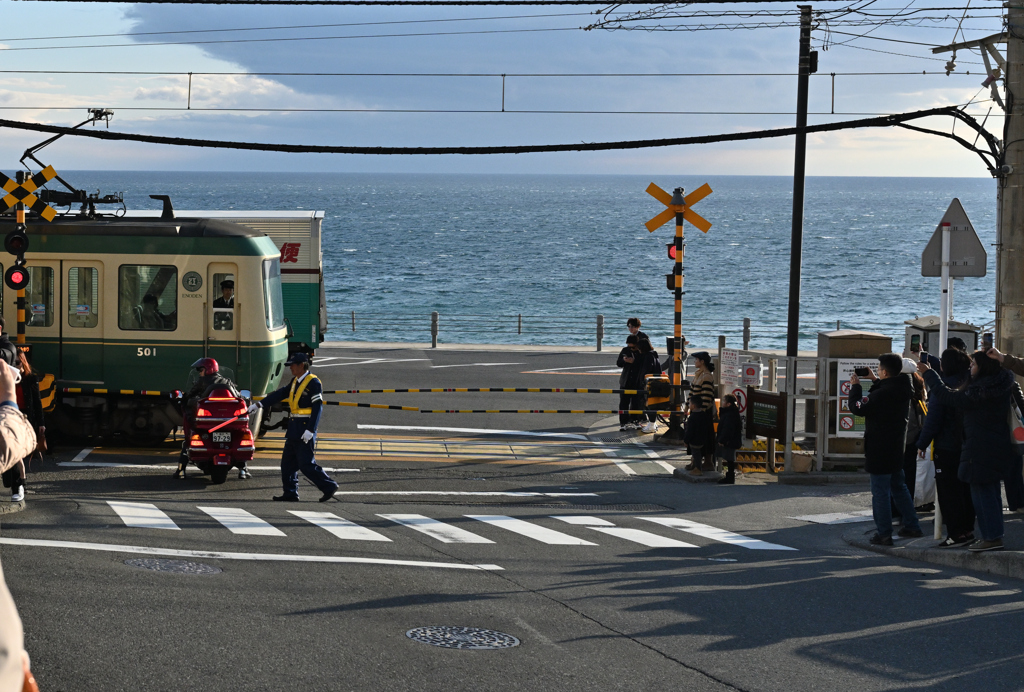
[[766, 413], [730, 369], [847, 424]]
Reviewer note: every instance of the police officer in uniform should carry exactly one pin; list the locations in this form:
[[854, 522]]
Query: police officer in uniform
[[304, 396]]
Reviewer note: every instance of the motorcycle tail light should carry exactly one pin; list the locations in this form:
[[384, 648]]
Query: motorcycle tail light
[[202, 412], [196, 441], [240, 411]]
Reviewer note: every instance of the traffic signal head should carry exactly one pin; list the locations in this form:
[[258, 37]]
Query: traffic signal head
[[671, 247], [16, 242], [16, 277]]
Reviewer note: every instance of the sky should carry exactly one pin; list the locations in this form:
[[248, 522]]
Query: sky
[[539, 41]]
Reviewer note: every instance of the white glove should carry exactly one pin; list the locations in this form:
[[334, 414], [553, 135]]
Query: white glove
[[307, 435], [253, 408]]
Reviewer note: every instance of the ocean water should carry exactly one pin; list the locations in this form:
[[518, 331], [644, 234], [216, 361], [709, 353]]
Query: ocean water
[[482, 250]]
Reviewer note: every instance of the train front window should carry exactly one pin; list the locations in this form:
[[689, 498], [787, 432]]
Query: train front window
[[273, 303], [83, 297], [39, 297], [147, 297]]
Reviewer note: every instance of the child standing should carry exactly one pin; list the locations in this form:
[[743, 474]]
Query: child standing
[[730, 436]]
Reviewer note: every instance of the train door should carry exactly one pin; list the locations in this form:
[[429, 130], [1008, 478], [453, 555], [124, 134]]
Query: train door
[[81, 318], [42, 327], [224, 315]]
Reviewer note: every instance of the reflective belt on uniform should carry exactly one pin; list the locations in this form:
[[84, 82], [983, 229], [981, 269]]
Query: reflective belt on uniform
[[294, 396]]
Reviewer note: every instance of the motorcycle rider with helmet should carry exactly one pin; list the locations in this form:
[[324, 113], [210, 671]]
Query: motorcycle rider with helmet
[[210, 379]]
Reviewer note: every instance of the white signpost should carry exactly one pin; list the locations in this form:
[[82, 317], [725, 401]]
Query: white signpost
[[732, 378], [954, 251]]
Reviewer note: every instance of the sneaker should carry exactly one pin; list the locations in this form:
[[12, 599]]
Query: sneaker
[[955, 542], [329, 494], [651, 427], [244, 473], [879, 539], [910, 533], [696, 472], [18, 493], [984, 546], [286, 498]]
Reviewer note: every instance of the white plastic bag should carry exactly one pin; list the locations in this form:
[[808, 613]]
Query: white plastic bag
[[924, 485]]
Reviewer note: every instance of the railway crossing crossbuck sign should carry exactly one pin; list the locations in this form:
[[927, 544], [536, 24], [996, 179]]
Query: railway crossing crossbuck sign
[[23, 193]]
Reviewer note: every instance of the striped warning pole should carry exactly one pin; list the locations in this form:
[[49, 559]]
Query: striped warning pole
[[675, 430], [19, 212]]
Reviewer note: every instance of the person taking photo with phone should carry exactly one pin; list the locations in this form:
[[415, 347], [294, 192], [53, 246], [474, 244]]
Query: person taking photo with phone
[[886, 412]]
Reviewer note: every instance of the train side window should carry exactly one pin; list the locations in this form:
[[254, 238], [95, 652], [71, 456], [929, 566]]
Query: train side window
[[273, 302], [147, 297], [224, 303], [39, 297], [83, 297]]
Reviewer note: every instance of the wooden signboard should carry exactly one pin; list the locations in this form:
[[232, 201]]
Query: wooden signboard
[[766, 414]]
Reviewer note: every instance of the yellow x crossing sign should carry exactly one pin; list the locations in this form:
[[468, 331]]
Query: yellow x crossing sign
[[23, 193], [665, 198]]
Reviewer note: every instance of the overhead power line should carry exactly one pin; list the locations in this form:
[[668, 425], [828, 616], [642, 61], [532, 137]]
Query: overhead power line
[[884, 121], [434, 3], [574, 75]]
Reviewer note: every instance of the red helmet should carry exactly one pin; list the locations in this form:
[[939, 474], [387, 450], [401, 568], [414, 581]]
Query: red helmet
[[208, 364]]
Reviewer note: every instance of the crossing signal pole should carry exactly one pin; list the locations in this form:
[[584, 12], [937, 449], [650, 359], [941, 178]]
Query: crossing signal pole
[[677, 207]]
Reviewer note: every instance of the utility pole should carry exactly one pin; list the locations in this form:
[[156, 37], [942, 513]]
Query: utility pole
[[796, 243], [1010, 214]]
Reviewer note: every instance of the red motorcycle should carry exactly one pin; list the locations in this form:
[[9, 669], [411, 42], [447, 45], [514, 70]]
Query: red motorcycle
[[218, 436]]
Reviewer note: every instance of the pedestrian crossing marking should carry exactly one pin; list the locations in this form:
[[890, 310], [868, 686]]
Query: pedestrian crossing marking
[[651, 540], [837, 517], [239, 521], [525, 528], [580, 520], [142, 515], [342, 528], [714, 534], [446, 533]]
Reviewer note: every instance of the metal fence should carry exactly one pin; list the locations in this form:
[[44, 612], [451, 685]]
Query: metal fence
[[574, 330]]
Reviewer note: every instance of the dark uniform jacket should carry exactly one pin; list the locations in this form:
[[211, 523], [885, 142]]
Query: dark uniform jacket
[[886, 410], [311, 400], [987, 455]]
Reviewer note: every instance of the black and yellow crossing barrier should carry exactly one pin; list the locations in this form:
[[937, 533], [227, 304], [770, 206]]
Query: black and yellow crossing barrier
[[22, 192], [440, 390], [416, 409], [130, 392], [47, 392]]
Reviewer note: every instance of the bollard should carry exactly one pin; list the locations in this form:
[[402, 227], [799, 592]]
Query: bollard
[[600, 330], [353, 320], [746, 333], [837, 325], [719, 385], [433, 330], [520, 323]]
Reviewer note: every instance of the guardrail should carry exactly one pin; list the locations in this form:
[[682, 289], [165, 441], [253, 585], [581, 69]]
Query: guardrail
[[519, 328]]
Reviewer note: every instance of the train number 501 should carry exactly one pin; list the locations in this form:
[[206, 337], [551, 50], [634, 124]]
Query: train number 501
[[145, 351]]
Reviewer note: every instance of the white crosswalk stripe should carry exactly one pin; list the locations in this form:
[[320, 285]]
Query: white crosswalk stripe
[[715, 534], [651, 540], [142, 515], [446, 533], [525, 528], [239, 521], [342, 528]]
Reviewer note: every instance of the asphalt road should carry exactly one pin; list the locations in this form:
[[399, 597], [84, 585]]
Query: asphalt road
[[609, 572]]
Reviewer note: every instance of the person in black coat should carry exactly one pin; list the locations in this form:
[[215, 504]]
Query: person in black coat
[[649, 365], [730, 436], [630, 362], [987, 456], [886, 411], [943, 428]]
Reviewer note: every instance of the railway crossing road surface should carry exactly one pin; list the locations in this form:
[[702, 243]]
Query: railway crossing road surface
[[127, 579]]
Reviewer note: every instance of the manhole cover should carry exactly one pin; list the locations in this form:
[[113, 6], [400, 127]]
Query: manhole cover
[[173, 566], [462, 637]]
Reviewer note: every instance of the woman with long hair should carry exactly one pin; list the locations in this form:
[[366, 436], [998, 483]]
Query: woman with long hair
[[987, 456], [703, 386]]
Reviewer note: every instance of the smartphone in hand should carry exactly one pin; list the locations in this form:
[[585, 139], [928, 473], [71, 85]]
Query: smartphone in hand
[[862, 372]]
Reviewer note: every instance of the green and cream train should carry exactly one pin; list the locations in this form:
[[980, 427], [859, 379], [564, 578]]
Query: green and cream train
[[117, 308]]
